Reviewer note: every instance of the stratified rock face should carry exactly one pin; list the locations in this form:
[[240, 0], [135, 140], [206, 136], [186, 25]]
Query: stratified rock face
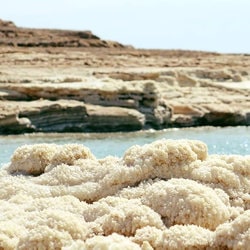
[[56, 80], [12, 35], [113, 107], [68, 116]]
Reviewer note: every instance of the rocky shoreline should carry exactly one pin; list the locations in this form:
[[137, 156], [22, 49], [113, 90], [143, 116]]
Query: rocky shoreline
[[97, 88]]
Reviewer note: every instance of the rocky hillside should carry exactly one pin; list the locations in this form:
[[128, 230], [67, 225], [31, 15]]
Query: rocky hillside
[[12, 35], [116, 88]]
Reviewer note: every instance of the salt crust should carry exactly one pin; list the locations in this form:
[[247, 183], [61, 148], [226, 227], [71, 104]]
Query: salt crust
[[164, 195]]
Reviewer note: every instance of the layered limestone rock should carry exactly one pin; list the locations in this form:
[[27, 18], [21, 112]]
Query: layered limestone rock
[[117, 89], [166, 101], [67, 116]]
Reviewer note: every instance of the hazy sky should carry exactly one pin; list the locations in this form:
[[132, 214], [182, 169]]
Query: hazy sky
[[214, 25]]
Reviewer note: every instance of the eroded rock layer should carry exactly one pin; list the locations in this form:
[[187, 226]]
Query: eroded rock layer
[[76, 88]]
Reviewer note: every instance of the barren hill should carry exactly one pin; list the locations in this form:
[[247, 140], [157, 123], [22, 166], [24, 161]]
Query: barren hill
[[12, 35]]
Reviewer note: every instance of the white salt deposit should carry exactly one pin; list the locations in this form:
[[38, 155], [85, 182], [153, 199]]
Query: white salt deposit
[[164, 195]]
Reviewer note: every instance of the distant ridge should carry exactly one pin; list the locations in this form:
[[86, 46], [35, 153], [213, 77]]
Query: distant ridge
[[12, 35]]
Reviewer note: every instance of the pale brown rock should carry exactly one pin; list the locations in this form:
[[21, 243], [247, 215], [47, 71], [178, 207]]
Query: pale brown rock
[[12, 35], [140, 88], [68, 116], [113, 119]]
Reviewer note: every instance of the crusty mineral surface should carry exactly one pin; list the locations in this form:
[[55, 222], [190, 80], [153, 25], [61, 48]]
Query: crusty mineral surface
[[164, 195]]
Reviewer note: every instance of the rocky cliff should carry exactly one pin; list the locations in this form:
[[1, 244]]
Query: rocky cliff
[[56, 88]]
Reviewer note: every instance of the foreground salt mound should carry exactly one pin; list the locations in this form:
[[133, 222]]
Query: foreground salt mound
[[164, 195]]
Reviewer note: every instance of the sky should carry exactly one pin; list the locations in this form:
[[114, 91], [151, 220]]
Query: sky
[[208, 25]]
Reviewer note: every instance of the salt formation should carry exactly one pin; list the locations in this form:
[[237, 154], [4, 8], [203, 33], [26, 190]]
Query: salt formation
[[164, 195]]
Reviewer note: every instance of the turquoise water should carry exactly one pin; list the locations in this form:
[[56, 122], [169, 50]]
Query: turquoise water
[[229, 140]]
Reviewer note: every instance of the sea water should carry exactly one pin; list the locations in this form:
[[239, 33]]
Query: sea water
[[228, 140]]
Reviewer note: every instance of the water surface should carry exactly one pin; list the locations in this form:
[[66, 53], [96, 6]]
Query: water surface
[[229, 140]]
